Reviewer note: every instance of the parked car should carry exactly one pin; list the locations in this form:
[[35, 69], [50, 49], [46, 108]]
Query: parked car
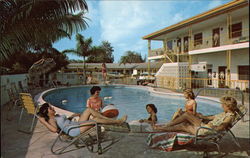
[[145, 77]]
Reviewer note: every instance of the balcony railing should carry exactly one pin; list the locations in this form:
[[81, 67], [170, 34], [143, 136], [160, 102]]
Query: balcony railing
[[207, 42]]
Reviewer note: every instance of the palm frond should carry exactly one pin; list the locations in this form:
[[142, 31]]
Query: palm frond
[[38, 21]]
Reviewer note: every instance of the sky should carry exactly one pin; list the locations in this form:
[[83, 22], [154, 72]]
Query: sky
[[123, 23]]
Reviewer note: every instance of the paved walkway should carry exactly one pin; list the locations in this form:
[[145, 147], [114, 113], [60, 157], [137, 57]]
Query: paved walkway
[[15, 144]]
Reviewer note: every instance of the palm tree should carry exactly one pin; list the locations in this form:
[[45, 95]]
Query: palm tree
[[27, 23], [84, 49]]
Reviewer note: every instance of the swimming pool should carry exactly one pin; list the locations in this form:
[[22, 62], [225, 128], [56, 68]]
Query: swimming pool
[[129, 100]]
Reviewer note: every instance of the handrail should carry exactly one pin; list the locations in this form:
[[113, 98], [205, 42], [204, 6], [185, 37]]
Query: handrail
[[242, 95]]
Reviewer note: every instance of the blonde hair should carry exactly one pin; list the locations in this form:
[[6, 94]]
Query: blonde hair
[[190, 93], [230, 102]]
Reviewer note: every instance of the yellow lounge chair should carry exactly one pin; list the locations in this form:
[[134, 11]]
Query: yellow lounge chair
[[27, 104]]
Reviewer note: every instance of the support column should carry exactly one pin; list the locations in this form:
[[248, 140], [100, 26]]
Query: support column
[[189, 71], [229, 52], [149, 51], [229, 28], [165, 50], [190, 42], [190, 57]]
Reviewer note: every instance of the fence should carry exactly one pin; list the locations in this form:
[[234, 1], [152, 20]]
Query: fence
[[175, 83]]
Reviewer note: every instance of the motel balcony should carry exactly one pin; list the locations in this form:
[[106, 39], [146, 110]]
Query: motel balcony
[[239, 39]]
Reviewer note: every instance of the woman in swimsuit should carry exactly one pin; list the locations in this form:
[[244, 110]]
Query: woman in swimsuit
[[190, 104], [189, 123], [152, 110], [104, 72], [95, 101], [47, 116]]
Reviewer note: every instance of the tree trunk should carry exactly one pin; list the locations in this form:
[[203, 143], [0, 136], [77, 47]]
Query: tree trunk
[[84, 72]]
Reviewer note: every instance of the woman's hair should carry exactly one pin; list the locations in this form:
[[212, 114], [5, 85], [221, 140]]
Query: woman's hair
[[230, 102], [153, 107], [94, 89], [190, 93], [43, 111]]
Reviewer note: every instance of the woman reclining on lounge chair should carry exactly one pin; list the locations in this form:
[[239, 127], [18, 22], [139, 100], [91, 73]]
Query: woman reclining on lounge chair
[[189, 123], [54, 122]]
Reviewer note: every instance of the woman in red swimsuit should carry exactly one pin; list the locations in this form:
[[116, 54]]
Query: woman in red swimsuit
[[104, 72], [95, 101], [190, 105]]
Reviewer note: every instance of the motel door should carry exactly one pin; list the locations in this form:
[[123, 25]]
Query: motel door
[[186, 44], [222, 76], [216, 37]]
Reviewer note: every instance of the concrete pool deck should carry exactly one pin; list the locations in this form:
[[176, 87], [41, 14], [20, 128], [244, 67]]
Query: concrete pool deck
[[17, 144]]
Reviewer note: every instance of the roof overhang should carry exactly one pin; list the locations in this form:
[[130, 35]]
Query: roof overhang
[[236, 4]]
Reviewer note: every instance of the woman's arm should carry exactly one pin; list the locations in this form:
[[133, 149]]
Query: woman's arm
[[74, 115], [102, 105], [210, 117], [48, 125], [88, 103], [194, 107]]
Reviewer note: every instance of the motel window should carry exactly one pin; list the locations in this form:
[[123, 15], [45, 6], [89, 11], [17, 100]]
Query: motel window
[[197, 39], [243, 72], [236, 30]]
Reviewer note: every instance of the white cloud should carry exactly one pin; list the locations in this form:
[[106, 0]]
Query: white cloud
[[122, 18], [124, 23]]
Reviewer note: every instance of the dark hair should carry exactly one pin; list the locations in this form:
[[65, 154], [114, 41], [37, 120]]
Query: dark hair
[[190, 93], [153, 107], [94, 89], [43, 111]]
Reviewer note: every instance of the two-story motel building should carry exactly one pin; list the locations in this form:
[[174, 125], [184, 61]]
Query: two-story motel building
[[214, 44]]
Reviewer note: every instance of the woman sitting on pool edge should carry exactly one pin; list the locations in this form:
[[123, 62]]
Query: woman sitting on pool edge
[[54, 122], [189, 123], [152, 110], [95, 101], [190, 104]]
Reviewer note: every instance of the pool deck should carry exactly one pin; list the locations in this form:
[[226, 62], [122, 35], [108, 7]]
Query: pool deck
[[16, 144]]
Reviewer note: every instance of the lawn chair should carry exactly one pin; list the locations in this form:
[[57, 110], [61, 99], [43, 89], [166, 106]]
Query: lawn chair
[[29, 105], [92, 139], [167, 140], [13, 103], [217, 136]]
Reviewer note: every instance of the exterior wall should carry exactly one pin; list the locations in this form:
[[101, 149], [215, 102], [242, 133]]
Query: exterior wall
[[239, 57], [8, 81], [175, 72]]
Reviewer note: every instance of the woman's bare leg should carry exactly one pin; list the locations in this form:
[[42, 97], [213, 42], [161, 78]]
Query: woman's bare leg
[[110, 121], [99, 117], [185, 118], [182, 127]]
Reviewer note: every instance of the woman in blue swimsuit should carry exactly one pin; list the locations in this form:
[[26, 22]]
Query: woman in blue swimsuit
[[54, 122]]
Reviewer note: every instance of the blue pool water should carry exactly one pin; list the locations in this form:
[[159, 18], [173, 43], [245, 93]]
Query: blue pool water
[[129, 100]]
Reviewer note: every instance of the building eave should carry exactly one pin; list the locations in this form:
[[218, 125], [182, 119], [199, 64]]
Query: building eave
[[200, 17]]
